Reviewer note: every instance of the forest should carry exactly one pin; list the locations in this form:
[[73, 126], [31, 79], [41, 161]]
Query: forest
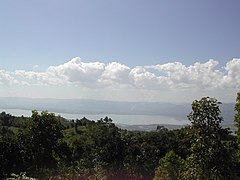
[[46, 146]]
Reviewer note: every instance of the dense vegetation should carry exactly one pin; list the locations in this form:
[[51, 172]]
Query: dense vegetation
[[48, 146]]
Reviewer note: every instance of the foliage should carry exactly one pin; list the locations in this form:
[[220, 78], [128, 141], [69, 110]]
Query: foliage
[[142, 150], [237, 124], [209, 158], [10, 158], [21, 176], [40, 140], [46, 146], [171, 166], [183, 138], [237, 117]]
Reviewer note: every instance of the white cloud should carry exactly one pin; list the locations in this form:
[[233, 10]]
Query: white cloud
[[76, 71], [170, 76], [115, 73], [197, 75], [40, 77], [116, 78], [141, 78], [6, 78], [232, 76]]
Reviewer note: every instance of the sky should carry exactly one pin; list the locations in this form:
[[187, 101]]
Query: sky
[[128, 50]]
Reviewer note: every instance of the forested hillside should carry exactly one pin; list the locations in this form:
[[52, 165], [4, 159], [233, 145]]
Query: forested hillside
[[47, 146]]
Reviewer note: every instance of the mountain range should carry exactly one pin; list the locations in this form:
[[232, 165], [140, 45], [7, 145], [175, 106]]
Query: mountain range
[[100, 107]]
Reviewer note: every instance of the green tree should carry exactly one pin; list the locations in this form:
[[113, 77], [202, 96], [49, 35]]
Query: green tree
[[171, 166], [10, 157], [108, 144], [6, 120], [237, 124], [183, 138], [40, 140], [97, 145], [209, 159], [142, 150], [237, 118]]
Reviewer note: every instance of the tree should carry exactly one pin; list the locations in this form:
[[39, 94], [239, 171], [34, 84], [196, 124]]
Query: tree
[[40, 140], [237, 124], [183, 138], [209, 158], [6, 121], [142, 150], [10, 159], [108, 144], [170, 167], [237, 118]]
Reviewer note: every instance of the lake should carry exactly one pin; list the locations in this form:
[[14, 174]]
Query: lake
[[117, 119]]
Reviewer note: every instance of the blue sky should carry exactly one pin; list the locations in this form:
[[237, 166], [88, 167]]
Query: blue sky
[[37, 34], [135, 32]]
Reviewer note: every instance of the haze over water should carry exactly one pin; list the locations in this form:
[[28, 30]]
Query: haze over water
[[118, 119]]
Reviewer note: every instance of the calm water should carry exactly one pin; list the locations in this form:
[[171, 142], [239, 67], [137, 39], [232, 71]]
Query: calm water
[[118, 119]]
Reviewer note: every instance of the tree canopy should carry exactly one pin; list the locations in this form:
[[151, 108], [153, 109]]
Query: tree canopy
[[49, 146]]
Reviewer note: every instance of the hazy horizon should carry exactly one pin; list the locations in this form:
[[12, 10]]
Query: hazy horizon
[[130, 113]]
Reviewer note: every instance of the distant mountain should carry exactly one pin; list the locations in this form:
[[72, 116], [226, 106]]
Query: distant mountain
[[150, 127], [84, 106]]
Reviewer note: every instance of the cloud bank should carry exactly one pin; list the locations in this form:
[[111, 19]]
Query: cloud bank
[[160, 76], [170, 77]]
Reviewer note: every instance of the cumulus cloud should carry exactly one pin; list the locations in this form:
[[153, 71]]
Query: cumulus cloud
[[40, 77], [161, 82], [115, 73], [198, 75], [141, 78], [76, 71], [232, 76], [6, 78], [167, 76]]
